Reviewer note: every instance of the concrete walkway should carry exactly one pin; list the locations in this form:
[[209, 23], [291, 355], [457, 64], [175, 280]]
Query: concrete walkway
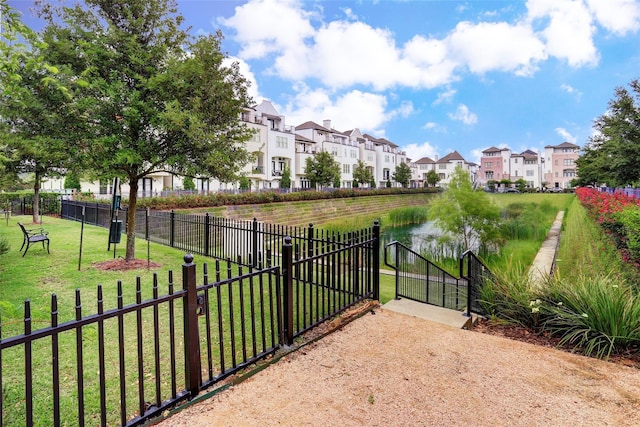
[[543, 263]]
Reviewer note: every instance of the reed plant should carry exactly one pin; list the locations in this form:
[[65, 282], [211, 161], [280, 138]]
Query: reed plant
[[598, 315]]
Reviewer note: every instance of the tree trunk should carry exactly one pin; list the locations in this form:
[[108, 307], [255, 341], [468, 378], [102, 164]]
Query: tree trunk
[[131, 219], [36, 199]]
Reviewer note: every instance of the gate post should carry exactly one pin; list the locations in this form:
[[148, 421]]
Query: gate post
[[310, 251], [207, 234], [376, 260], [254, 249], [172, 229], [191, 336], [287, 294]]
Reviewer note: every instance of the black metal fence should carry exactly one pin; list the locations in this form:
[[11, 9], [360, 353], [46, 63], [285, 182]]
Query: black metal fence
[[211, 236], [421, 280], [127, 364]]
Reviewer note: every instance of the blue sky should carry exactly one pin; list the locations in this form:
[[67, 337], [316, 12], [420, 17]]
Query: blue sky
[[432, 76]]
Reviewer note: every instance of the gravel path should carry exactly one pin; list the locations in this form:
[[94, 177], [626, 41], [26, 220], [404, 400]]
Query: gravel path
[[393, 369]]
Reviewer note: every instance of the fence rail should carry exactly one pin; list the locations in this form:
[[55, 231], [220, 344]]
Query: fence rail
[[419, 279], [129, 363], [206, 235]]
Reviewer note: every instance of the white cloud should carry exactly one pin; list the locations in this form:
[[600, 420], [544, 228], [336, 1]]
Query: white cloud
[[445, 96], [571, 90], [464, 115], [365, 111], [430, 125], [500, 46], [566, 135], [618, 16], [418, 151], [259, 36], [568, 30]]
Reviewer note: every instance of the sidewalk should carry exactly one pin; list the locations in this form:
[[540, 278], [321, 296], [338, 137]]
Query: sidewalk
[[543, 263]]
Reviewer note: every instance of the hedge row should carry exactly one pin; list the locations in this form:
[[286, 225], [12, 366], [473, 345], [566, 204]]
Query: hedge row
[[225, 199]]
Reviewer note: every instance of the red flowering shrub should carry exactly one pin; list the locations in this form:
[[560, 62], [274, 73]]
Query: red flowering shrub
[[618, 215]]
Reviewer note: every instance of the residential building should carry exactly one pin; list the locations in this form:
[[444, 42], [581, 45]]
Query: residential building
[[559, 164], [446, 165]]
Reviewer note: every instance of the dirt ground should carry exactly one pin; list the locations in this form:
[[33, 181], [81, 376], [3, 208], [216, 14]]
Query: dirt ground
[[393, 369]]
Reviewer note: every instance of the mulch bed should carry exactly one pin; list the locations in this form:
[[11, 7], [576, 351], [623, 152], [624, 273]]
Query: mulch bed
[[630, 358], [121, 264]]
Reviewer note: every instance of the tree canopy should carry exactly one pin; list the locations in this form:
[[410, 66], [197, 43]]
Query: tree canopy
[[432, 178], [402, 174], [467, 214], [147, 97], [33, 96], [361, 174], [612, 155], [322, 169]]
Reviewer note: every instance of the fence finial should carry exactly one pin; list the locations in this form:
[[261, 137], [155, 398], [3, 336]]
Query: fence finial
[[188, 258]]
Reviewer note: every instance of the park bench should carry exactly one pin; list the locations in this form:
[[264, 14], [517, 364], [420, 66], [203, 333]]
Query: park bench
[[33, 235]]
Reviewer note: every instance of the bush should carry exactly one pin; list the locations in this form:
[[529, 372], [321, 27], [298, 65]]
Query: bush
[[511, 297], [4, 246], [598, 315]]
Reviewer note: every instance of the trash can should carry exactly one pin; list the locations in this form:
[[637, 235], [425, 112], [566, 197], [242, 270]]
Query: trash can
[[115, 230]]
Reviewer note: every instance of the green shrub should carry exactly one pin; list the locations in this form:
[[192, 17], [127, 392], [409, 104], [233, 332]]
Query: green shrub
[[596, 314], [629, 218], [511, 297], [4, 246]]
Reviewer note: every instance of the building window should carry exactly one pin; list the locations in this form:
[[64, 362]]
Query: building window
[[256, 137], [442, 166], [530, 173], [346, 168], [488, 175], [568, 173], [281, 142], [530, 162], [488, 164], [370, 157], [386, 158], [354, 154], [515, 161], [568, 162], [104, 186], [334, 151], [441, 176]]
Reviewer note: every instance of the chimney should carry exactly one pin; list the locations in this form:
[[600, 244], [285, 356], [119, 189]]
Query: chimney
[[435, 158], [326, 123]]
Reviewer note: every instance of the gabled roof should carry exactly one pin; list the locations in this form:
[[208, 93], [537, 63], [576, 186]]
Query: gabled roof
[[372, 138], [454, 156], [303, 138], [425, 160], [492, 150], [312, 125], [266, 107], [386, 141], [563, 145]]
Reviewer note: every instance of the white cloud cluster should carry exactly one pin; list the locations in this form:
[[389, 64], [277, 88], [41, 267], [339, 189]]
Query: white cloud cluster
[[300, 46]]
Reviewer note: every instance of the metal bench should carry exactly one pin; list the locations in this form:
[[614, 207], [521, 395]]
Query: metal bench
[[33, 235]]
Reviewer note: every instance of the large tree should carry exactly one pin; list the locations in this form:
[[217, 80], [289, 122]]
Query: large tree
[[432, 178], [33, 96], [153, 99], [467, 214], [361, 174], [402, 174], [322, 169], [612, 155]]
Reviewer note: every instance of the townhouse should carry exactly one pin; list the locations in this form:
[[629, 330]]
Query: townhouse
[[554, 168], [277, 147]]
